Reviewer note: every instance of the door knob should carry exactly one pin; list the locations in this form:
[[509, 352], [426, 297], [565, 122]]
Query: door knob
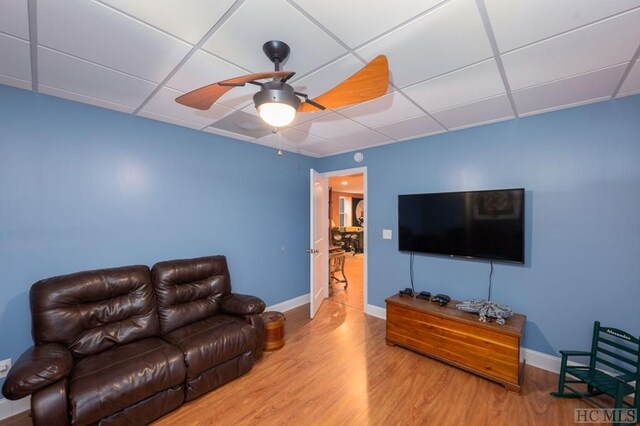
[[315, 251]]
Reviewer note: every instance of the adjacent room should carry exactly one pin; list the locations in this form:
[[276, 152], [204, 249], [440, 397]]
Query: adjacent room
[[319, 212]]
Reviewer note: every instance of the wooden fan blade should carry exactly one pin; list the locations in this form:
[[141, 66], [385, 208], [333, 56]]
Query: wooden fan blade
[[204, 97], [370, 82]]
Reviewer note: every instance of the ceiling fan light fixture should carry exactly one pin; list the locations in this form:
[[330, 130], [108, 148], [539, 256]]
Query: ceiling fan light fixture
[[276, 114], [276, 103]]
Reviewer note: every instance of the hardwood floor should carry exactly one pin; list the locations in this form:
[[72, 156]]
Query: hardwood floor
[[337, 369], [354, 294]]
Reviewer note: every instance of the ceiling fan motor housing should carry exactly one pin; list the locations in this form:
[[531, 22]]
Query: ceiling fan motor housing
[[276, 91], [276, 50]]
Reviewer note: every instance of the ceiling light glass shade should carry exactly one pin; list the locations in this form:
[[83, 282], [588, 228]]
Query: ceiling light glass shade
[[277, 114], [276, 103]]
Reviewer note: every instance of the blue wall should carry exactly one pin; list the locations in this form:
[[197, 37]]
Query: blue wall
[[581, 171], [84, 187]]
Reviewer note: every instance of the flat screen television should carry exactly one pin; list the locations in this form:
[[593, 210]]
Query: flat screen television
[[474, 224]]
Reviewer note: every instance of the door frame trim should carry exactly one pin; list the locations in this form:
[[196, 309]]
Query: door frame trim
[[365, 190]]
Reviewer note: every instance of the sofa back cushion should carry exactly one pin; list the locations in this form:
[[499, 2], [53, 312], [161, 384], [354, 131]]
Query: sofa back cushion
[[189, 290], [92, 311]]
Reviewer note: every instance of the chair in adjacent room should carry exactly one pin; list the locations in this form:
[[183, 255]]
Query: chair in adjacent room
[[613, 369], [336, 266], [337, 239]]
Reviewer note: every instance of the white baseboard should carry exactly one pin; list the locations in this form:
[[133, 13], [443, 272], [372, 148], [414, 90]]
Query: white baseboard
[[541, 360], [289, 304], [11, 408], [376, 311]]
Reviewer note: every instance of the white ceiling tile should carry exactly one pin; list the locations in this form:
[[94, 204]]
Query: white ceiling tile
[[632, 82], [202, 69], [412, 128], [188, 19], [160, 117], [467, 85], [597, 46], [83, 99], [15, 82], [323, 148], [516, 23], [364, 139], [331, 126], [297, 138], [251, 109], [241, 37], [384, 110], [270, 144], [450, 37], [15, 58], [569, 91], [164, 102], [297, 141], [476, 113], [326, 78], [246, 124], [85, 78], [97, 33], [303, 117], [232, 135], [338, 16], [14, 18]]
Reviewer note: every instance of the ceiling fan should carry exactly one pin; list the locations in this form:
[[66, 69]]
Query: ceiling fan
[[277, 102]]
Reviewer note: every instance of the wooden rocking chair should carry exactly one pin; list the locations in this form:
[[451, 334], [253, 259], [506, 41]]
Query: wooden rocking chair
[[616, 351]]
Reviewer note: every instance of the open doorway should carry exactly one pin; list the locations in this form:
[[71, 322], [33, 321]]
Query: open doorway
[[347, 226]]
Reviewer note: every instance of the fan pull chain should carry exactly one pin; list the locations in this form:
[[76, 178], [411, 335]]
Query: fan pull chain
[[279, 144]]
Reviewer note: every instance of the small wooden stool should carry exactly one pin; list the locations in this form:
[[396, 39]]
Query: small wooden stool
[[273, 330]]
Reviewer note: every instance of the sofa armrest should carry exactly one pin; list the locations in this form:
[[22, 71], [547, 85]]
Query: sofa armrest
[[242, 304], [49, 406], [257, 322], [38, 367]]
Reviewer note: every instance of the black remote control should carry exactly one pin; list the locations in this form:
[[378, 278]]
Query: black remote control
[[406, 292], [425, 295]]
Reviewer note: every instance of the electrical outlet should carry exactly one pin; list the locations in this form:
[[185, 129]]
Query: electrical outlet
[[5, 366]]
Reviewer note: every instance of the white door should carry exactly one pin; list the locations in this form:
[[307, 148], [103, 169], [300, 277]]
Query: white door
[[318, 250]]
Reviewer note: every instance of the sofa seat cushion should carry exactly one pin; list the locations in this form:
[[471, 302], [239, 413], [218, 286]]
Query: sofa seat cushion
[[110, 381], [212, 341]]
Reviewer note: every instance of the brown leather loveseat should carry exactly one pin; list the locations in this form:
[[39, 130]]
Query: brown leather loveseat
[[127, 345]]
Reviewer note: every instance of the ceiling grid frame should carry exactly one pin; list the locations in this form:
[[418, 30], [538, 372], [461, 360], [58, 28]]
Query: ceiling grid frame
[[193, 50], [575, 23]]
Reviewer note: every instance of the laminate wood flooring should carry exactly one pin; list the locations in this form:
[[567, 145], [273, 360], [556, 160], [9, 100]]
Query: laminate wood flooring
[[354, 294], [338, 370]]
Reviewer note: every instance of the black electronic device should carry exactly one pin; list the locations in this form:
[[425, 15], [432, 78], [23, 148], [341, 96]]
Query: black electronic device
[[425, 295], [406, 292], [474, 224], [441, 299]]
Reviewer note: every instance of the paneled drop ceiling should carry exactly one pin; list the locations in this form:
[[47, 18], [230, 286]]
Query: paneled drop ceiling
[[454, 64]]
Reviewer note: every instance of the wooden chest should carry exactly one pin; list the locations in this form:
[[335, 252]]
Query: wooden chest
[[458, 338]]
